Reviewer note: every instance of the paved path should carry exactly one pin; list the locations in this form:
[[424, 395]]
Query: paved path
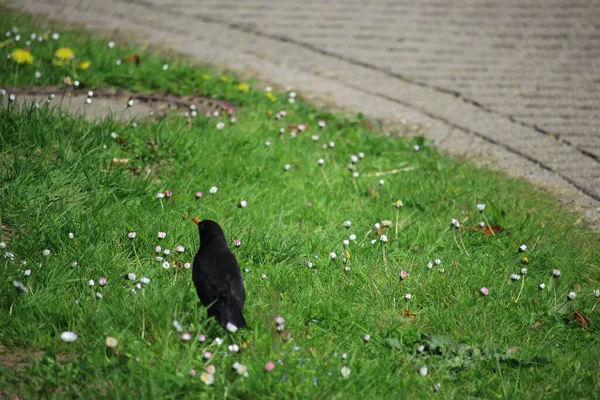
[[514, 84]]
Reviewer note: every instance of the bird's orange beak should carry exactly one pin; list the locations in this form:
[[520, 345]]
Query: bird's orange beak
[[196, 220]]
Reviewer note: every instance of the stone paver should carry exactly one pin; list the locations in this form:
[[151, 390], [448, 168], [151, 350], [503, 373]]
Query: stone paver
[[496, 81]]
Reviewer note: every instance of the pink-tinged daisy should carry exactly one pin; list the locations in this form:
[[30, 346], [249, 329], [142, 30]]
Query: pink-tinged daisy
[[367, 337], [484, 291], [213, 190], [167, 252], [180, 248], [201, 338], [102, 281], [187, 265], [571, 295], [186, 336], [198, 195], [269, 366], [437, 387], [243, 204], [301, 127], [322, 124], [234, 348], [145, 280], [346, 269], [162, 235], [423, 370], [231, 327], [211, 369], [237, 242], [46, 253], [403, 275], [515, 277], [332, 255], [158, 249], [192, 372], [263, 276], [168, 193], [207, 355], [345, 371], [556, 273], [455, 223], [131, 276], [220, 125], [408, 296], [131, 235]]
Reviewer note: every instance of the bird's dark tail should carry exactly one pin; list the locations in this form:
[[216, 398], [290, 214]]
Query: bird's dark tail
[[227, 313], [231, 314]]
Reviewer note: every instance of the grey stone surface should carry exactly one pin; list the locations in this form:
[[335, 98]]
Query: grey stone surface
[[513, 84]]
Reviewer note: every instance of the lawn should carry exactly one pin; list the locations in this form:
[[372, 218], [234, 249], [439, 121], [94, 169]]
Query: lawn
[[426, 303]]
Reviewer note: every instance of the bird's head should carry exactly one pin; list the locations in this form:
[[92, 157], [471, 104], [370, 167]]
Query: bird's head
[[209, 230]]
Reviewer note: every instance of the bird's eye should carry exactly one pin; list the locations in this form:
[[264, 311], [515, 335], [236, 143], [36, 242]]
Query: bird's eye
[[201, 227]]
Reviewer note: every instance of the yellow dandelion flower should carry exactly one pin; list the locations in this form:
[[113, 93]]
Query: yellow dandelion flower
[[64, 53], [347, 255], [225, 78], [206, 76], [270, 96], [83, 65], [21, 56], [244, 87]]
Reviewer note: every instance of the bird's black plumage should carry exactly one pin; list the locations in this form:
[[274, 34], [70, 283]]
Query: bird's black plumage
[[217, 276]]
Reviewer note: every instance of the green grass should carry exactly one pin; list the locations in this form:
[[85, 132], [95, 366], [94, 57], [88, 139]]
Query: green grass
[[58, 177]]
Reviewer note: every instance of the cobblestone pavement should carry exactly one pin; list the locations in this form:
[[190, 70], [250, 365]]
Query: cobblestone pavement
[[513, 84]]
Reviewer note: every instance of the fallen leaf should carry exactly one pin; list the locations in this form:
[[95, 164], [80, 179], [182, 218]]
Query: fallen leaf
[[133, 58], [512, 349], [120, 161], [372, 192], [581, 320], [537, 324], [409, 314], [577, 287], [6, 43], [487, 230]]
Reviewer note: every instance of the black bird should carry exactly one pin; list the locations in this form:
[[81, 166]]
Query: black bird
[[217, 277]]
